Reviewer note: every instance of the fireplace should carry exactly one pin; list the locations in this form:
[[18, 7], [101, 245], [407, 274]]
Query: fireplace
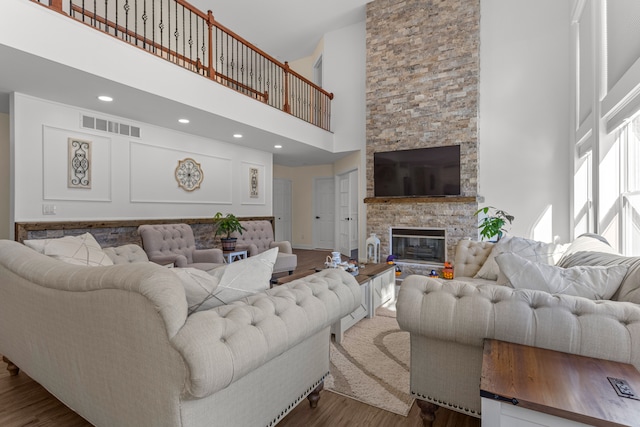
[[411, 245]]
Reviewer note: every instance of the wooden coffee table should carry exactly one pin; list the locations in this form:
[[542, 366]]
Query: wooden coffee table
[[530, 386]]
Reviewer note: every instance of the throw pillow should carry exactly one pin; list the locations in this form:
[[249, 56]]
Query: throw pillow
[[199, 288], [78, 250], [593, 282], [245, 277], [548, 253]]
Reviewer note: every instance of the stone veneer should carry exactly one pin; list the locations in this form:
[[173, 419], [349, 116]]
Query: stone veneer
[[422, 91]]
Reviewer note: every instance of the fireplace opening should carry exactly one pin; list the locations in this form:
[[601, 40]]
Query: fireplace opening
[[419, 245]]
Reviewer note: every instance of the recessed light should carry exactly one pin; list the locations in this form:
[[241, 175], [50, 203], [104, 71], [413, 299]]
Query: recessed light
[[183, 121], [237, 135], [277, 146], [105, 98]]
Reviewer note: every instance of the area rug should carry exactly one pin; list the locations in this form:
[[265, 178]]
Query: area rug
[[371, 364]]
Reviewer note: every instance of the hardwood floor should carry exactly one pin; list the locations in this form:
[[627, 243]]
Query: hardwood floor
[[23, 402]]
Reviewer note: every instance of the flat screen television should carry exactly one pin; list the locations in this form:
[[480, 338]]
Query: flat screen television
[[433, 171]]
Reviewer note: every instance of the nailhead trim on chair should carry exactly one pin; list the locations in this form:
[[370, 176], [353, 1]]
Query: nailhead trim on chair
[[441, 403], [293, 404]]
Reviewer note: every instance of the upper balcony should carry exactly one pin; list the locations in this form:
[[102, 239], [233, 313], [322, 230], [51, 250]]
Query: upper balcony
[[180, 33]]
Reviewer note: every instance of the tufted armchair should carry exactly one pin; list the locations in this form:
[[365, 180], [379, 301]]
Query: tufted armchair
[[258, 238], [175, 243], [448, 322]]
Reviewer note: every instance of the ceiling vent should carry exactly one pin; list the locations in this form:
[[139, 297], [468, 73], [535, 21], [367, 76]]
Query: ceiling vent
[[105, 125]]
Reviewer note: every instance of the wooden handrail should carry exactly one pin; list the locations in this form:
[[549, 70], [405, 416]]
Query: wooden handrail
[[269, 57], [293, 93]]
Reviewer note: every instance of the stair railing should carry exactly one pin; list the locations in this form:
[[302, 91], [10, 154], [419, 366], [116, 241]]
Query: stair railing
[[177, 31]]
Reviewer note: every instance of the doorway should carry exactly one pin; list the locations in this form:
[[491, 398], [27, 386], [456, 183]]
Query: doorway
[[348, 213]]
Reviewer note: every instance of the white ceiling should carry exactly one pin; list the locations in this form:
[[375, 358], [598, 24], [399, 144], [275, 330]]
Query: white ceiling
[[285, 29], [279, 27]]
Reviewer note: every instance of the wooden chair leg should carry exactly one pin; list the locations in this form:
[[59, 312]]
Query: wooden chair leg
[[427, 412], [314, 396], [13, 369]]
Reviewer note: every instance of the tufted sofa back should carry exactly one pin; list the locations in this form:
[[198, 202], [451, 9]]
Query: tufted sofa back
[[258, 233], [470, 255], [126, 254], [167, 239]]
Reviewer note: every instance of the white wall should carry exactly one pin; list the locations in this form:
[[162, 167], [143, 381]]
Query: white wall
[[344, 74], [5, 178], [524, 114], [132, 177]]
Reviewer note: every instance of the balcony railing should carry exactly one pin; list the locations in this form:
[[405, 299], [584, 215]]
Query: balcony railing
[[180, 33]]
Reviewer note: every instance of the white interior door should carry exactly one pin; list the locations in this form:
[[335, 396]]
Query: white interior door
[[348, 212], [282, 209], [324, 207], [353, 211]]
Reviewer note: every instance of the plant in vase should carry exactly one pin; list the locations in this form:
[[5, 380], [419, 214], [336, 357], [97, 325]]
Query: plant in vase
[[493, 224], [225, 226]]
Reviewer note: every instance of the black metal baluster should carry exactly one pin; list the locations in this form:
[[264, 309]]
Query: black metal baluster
[[116, 23]]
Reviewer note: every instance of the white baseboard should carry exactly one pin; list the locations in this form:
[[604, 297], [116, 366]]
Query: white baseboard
[[308, 247]]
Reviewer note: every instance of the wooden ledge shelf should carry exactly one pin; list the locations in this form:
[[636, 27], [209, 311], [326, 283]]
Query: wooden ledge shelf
[[398, 200]]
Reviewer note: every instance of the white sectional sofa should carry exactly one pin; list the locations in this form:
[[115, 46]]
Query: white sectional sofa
[[116, 344], [448, 321]]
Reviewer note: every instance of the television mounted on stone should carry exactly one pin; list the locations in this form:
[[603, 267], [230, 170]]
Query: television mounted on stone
[[420, 172]]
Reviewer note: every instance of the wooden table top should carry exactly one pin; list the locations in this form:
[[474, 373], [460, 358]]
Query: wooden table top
[[364, 274], [561, 384]]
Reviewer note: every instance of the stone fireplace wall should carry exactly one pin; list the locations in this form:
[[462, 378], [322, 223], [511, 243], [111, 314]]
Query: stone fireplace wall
[[422, 91]]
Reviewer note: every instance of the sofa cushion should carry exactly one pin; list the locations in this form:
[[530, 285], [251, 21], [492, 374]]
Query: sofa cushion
[[593, 282], [199, 287], [78, 250], [548, 253], [629, 290]]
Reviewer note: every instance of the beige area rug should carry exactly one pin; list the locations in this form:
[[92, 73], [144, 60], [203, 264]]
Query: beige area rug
[[371, 364]]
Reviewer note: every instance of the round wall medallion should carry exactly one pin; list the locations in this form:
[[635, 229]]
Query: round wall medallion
[[189, 174]]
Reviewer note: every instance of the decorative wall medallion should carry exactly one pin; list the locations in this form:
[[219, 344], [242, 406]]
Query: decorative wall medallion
[[189, 174], [79, 163], [253, 183]]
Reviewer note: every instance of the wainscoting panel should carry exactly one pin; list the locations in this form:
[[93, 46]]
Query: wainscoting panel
[[152, 174]]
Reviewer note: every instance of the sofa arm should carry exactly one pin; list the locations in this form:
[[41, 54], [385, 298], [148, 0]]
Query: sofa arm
[[223, 344], [284, 247], [177, 260], [467, 314], [213, 255]]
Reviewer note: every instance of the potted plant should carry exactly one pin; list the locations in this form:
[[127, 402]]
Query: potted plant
[[225, 226], [494, 222]]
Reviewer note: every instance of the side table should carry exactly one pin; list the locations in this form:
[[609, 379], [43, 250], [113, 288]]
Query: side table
[[230, 256], [532, 386]]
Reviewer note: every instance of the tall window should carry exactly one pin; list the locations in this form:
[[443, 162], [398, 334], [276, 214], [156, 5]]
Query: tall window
[[630, 196]]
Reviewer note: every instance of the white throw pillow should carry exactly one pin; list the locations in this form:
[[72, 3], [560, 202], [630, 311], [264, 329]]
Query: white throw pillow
[[548, 253], [593, 282], [245, 277], [78, 250], [199, 287]]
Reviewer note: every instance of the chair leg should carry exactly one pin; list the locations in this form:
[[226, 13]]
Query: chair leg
[[13, 369], [314, 396], [427, 412]]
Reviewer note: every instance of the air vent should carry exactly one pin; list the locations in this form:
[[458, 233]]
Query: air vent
[[105, 125]]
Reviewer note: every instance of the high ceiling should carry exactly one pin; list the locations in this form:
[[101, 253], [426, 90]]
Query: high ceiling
[[281, 28], [286, 29]]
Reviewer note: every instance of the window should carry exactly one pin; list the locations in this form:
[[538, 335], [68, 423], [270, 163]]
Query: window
[[623, 227]]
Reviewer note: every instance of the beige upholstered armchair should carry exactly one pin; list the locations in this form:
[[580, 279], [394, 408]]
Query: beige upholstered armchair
[[175, 243], [258, 237]]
